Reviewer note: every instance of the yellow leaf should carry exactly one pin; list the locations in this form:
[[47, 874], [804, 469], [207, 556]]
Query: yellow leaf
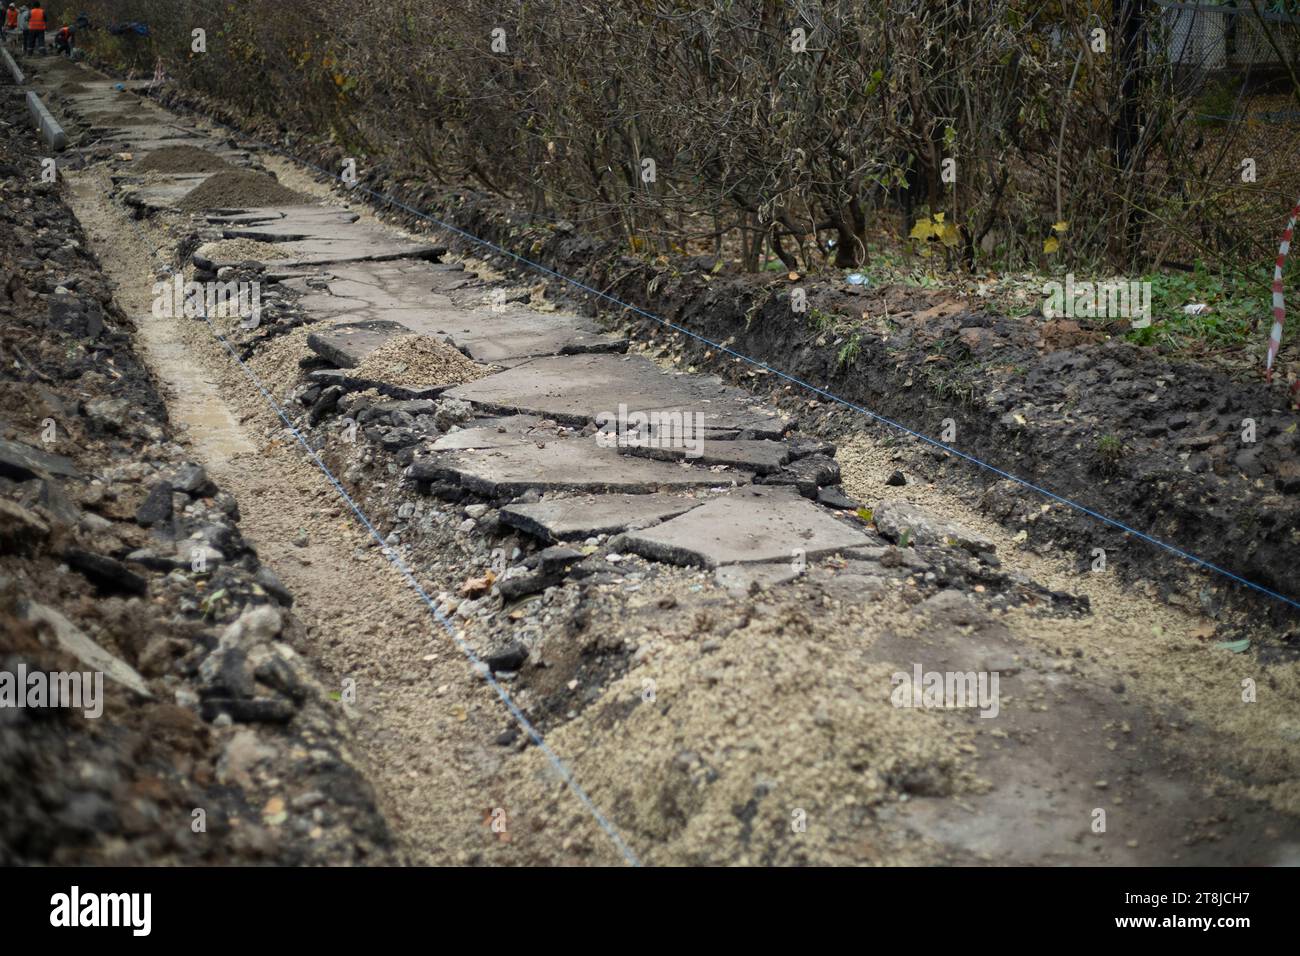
[[922, 230], [938, 217], [1061, 227], [948, 234], [1050, 244]]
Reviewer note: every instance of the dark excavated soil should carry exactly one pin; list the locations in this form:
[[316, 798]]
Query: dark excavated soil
[[240, 188], [182, 159]]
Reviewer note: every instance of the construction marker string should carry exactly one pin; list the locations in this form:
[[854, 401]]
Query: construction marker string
[[816, 390], [481, 668]]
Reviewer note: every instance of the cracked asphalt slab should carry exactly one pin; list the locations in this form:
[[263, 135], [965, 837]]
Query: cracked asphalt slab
[[725, 682]]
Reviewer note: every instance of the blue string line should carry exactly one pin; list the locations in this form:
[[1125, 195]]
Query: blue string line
[[790, 378]]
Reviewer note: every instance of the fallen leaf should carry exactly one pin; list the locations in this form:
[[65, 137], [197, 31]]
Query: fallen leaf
[[476, 587], [274, 814], [922, 230]]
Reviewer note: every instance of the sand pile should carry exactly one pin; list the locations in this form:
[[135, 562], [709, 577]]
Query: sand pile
[[240, 189], [277, 363], [241, 250], [182, 159], [418, 362]]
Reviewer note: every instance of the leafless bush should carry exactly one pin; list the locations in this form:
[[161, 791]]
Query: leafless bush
[[805, 128]]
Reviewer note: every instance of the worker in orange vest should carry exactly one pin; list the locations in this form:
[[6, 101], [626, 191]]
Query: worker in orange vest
[[11, 21], [36, 27]]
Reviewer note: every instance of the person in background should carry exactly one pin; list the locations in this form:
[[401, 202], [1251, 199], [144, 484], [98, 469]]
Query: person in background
[[23, 33], [10, 24], [63, 41], [37, 25]]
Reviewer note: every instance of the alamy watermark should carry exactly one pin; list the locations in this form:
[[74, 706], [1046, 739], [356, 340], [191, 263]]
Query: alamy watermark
[[38, 688], [196, 300], [946, 690], [654, 429], [1113, 299], [133, 911]]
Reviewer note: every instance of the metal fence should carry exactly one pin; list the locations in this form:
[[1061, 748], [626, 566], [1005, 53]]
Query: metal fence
[[1213, 37]]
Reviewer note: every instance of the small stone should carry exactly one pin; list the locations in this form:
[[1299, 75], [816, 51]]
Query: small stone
[[194, 481], [107, 574], [510, 658], [157, 507]]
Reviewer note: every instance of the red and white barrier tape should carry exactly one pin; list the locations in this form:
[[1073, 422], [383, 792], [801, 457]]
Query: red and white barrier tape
[[1279, 303]]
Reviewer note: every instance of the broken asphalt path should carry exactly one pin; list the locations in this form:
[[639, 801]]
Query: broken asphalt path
[[711, 643]]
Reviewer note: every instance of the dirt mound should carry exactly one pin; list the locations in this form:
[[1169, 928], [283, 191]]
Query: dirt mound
[[182, 159], [239, 189], [419, 361]]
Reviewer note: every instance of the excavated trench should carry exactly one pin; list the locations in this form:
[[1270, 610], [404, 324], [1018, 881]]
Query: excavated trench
[[710, 646]]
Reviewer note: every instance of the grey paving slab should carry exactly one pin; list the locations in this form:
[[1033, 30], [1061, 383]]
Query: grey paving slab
[[509, 338], [748, 525], [497, 433], [578, 388], [407, 292], [360, 248], [348, 343], [327, 239], [567, 464], [289, 223], [273, 215], [761, 455], [160, 194], [582, 516], [745, 579]]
